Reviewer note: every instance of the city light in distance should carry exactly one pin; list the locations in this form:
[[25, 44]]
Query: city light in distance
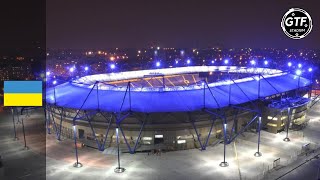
[[289, 64], [86, 68], [158, 64], [253, 62], [226, 61], [112, 66], [188, 61], [177, 61], [212, 62], [112, 58], [54, 82], [299, 65], [310, 69], [48, 73], [71, 69], [266, 62]]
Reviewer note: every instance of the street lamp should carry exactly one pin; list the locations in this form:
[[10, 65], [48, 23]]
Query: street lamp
[[77, 164], [258, 153], [224, 163], [118, 169], [287, 139]]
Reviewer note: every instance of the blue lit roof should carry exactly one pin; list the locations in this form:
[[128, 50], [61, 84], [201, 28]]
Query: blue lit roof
[[71, 95]]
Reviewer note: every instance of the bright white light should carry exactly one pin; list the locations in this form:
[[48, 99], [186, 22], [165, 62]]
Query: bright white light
[[310, 69], [146, 138], [225, 126], [158, 48], [181, 141], [289, 64], [253, 62], [298, 72], [182, 52], [71, 69], [158, 136], [266, 62], [86, 68], [112, 66], [54, 82], [158, 64], [188, 61], [177, 61], [299, 65], [212, 62], [48, 73], [226, 61]]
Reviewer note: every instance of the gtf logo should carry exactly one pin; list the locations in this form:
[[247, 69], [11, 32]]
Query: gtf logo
[[296, 23]]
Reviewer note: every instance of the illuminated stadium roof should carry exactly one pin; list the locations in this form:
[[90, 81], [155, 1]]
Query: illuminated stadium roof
[[111, 93]]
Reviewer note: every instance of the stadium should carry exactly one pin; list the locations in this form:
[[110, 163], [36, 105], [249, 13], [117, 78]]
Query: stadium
[[174, 109]]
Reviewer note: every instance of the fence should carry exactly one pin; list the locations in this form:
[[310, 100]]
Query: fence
[[265, 168]]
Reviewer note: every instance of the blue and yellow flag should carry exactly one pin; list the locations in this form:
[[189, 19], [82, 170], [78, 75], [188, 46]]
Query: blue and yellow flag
[[22, 93]]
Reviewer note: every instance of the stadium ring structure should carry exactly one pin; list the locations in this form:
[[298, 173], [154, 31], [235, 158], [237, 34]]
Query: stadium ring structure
[[172, 108]]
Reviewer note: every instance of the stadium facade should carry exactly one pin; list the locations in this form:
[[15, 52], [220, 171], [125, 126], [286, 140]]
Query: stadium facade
[[176, 108]]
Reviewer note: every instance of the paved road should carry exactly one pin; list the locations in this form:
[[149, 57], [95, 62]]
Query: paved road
[[306, 167], [52, 159], [17, 162]]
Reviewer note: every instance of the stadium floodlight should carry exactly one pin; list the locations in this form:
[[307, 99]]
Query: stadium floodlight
[[86, 68], [71, 69], [289, 64], [112, 66], [158, 64], [253, 62], [310, 69], [266, 62], [226, 61], [298, 72], [54, 82], [299, 65], [48, 73]]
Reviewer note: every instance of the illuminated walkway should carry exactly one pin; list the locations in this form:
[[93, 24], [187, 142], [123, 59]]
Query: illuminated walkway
[[17, 162], [188, 164]]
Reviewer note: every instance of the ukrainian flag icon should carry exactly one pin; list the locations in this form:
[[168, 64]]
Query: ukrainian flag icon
[[22, 93]]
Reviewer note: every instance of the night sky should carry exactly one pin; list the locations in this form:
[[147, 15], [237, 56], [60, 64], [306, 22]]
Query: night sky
[[22, 27], [167, 23], [177, 23]]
